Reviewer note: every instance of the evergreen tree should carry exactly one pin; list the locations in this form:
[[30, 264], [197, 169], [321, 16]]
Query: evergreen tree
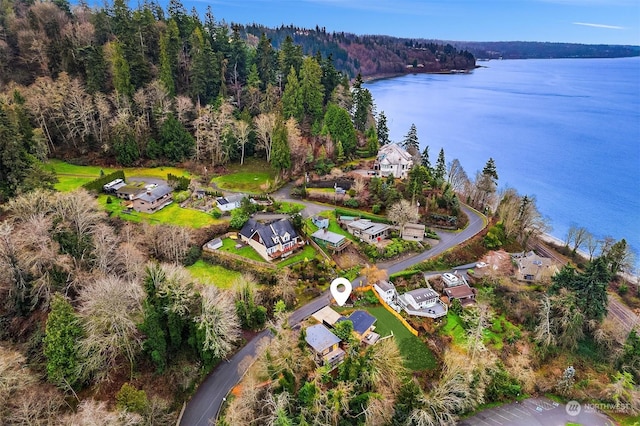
[[373, 146], [411, 139], [177, 144], [425, 159], [169, 50], [96, 69], [292, 98], [121, 72], [280, 152], [126, 148], [236, 53], [340, 127], [62, 332], [311, 90], [441, 167], [265, 61], [253, 80], [362, 104], [382, 129], [204, 75], [330, 77], [290, 56]]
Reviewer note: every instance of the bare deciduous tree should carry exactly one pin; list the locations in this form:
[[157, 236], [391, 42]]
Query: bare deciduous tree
[[219, 321], [265, 124], [456, 176], [110, 309], [167, 243], [402, 213], [242, 131]]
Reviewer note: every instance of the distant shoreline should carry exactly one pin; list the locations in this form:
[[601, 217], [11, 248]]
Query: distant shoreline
[[377, 77]]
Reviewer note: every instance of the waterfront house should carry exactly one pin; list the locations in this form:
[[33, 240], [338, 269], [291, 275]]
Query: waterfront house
[[534, 268], [386, 290], [393, 160]]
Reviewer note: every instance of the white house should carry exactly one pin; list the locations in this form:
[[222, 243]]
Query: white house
[[230, 202], [386, 290], [451, 280], [393, 160], [424, 302]]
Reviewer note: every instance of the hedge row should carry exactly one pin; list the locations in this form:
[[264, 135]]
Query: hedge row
[[96, 185], [362, 215]]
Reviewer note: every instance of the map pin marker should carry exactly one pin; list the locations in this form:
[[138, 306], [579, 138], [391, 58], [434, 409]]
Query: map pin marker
[[341, 296]]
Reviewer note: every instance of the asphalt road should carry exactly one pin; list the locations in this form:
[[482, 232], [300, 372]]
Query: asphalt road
[[447, 240], [208, 399], [538, 412], [206, 402]]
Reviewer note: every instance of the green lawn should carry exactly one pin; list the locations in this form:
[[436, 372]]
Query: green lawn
[[501, 329], [247, 251], [71, 176], [416, 354], [173, 214], [250, 177], [333, 225], [453, 327], [206, 273], [308, 252]]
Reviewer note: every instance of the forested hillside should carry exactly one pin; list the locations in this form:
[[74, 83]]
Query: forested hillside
[[372, 55]]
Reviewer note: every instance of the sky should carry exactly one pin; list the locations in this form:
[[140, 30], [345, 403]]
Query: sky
[[570, 21]]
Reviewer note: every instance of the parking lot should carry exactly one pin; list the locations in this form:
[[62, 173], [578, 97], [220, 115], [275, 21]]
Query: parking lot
[[536, 412]]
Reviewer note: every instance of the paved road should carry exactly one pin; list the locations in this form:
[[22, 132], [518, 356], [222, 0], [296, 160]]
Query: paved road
[[210, 395], [447, 240], [208, 399], [538, 412]]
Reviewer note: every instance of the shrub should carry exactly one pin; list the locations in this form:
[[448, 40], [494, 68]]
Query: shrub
[[109, 200], [352, 193], [131, 399], [96, 185], [376, 208], [238, 218], [179, 183], [352, 203], [216, 213], [623, 289], [192, 256], [181, 196]]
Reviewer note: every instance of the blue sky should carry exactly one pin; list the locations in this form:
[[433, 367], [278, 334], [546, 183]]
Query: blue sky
[[574, 21]]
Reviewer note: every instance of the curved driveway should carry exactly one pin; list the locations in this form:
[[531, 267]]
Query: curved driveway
[[203, 407]]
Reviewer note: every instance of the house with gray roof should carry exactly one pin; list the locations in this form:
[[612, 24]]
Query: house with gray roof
[[424, 302], [330, 240], [368, 231], [534, 268], [325, 345], [153, 199], [271, 240], [393, 160]]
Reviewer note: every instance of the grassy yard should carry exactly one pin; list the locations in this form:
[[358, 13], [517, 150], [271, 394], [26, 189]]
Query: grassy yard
[[416, 354], [247, 251], [501, 329], [71, 176], [206, 273], [308, 252], [333, 225], [173, 214], [250, 177]]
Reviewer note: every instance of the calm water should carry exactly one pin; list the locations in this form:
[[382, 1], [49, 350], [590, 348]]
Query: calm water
[[564, 130]]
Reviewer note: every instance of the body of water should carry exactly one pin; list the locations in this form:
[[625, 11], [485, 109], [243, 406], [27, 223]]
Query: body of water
[[564, 130]]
